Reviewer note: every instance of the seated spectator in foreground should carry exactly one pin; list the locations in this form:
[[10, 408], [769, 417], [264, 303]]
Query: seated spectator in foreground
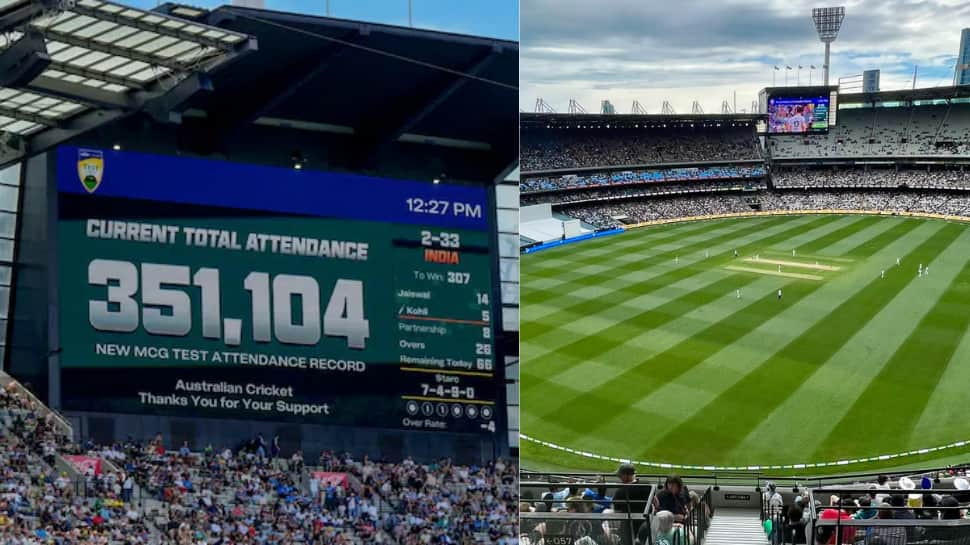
[[674, 498], [899, 500], [669, 533], [835, 512], [630, 499], [889, 535], [950, 513]]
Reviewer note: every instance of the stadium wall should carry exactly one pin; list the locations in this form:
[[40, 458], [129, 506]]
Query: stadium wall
[[30, 337], [33, 356]]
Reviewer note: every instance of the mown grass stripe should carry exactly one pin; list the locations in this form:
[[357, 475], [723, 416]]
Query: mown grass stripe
[[843, 247], [818, 244], [784, 371], [909, 378]]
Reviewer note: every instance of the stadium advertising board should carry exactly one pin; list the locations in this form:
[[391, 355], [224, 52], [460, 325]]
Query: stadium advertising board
[[201, 288], [798, 115]]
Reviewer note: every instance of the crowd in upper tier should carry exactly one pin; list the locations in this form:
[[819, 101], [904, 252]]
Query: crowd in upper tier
[[875, 178], [574, 182], [544, 149]]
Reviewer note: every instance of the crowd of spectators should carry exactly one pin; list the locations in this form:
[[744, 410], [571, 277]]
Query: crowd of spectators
[[246, 495], [602, 215], [917, 498], [676, 511], [574, 182], [639, 191], [572, 148], [874, 178], [39, 505]]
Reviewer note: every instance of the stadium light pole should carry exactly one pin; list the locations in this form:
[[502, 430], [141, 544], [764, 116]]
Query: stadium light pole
[[828, 21]]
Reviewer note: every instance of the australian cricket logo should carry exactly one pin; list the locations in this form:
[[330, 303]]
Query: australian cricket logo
[[90, 168]]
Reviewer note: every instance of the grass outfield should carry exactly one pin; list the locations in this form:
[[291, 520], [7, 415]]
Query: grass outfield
[[636, 345]]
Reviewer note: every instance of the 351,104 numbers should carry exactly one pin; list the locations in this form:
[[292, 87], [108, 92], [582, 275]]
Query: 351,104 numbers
[[154, 296]]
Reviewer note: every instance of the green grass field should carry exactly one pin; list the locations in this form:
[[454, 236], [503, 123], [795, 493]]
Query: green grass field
[[636, 346]]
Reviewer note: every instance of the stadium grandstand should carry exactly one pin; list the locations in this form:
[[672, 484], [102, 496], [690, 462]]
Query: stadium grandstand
[[224, 261], [744, 507], [730, 315]]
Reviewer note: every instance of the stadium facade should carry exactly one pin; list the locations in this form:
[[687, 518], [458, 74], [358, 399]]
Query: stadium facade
[[961, 74], [298, 131]]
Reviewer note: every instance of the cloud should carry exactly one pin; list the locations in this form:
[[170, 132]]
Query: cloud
[[706, 50]]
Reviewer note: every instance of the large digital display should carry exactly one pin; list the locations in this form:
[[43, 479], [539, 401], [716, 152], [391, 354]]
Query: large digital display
[[798, 115], [191, 287]]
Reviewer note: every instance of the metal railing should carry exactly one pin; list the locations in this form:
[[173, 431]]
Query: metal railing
[[753, 478], [852, 521], [699, 518], [622, 526]]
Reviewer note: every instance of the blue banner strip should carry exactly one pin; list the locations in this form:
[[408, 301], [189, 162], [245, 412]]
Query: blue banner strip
[[188, 180], [580, 238]]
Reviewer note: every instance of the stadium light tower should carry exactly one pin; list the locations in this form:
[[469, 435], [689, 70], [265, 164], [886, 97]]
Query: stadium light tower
[[828, 21]]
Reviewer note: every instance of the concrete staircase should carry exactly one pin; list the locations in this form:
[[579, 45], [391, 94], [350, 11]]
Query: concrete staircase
[[735, 527]]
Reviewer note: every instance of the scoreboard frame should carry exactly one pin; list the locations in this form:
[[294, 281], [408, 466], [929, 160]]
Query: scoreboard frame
[[497, 438]]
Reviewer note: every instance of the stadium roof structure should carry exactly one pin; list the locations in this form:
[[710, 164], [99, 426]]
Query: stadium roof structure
[[557, 120], [377, 84], [907, 95], [67, 66]]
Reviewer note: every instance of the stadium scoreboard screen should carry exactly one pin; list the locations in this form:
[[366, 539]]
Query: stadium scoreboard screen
[[802, 112], [191, 287]]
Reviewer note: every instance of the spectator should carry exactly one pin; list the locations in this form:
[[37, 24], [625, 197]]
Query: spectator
[[632, 499], [890, 535], [835, 512], [795, 526], [669, 533], [674, 498]]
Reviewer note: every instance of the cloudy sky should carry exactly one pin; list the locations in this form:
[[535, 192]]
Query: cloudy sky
[[706, 50], [493, 18]]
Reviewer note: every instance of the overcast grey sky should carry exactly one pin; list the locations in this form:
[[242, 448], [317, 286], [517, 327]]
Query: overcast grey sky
[[705, 50]]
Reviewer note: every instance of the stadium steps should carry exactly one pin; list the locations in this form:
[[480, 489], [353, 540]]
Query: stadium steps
[[735, 527]]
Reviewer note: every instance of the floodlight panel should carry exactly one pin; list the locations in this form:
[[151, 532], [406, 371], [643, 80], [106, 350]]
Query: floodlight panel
[[828, 21]]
